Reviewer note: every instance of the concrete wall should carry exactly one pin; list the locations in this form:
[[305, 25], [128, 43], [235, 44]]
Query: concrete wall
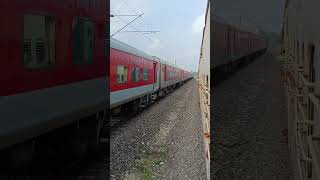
[[204, 64], [204, 77]]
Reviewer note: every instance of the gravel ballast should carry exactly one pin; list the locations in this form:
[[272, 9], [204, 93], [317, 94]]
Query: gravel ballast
[[163, 142], [250, 124]]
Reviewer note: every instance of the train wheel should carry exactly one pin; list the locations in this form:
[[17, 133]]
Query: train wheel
[[160, 93], [79, 142], [99, 138], [149, 99], [135, 106], [139, 105], [154, 97], [143, 102], [103, 132]]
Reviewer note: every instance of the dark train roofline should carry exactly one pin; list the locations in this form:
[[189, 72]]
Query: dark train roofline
[[244, 28], [116, 44], [121, 46]]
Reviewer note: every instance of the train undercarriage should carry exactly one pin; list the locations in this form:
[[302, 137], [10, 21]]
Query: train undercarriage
[[139, 104], [47, 153]]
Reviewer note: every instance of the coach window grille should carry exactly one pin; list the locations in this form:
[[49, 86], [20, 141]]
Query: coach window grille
[[136, 74], [39, 41], [145, 74], [83, 44], [122, 74]]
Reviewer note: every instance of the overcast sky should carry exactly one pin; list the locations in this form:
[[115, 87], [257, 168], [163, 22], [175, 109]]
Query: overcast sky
[[180, 23], [266, 14]]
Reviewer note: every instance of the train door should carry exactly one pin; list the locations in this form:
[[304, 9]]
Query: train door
[[155, 76], [159, 73], [162, 75], [164, 71]]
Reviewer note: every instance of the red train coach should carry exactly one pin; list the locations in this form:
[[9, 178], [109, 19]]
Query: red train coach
[[170, 75], [233, 45], [53, 67], [137, 78], [133, 74]]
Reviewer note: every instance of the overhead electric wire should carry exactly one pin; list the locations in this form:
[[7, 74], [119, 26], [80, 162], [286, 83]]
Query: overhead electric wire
[[126, 24], [131, 10], [133, 27], [134, 11]]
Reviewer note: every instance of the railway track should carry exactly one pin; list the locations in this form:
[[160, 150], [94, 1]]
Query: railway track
[[91, 166], [120, 118], [162, 129]]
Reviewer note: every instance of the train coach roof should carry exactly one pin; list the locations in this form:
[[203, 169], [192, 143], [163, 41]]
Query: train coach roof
[[243, 27], [168, 63], [116, 44]]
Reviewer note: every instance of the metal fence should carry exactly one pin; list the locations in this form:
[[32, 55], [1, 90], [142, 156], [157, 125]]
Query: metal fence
[[303, 104]]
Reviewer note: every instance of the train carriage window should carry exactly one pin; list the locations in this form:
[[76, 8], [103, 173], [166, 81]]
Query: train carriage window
[[83, 44], [136, 74], [39, 41], [122, 74], [145, 74]]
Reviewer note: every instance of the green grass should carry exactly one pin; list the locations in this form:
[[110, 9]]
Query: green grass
[[144, 165], [144, 169]]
